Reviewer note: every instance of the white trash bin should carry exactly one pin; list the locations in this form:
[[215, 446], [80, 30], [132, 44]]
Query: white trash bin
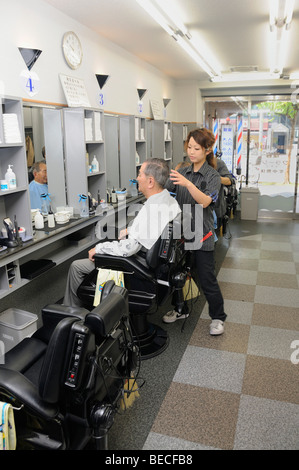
[[15, 325], [249, 203]]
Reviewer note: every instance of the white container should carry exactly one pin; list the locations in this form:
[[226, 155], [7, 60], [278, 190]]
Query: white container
[[33, 214], [10, 178], [38, 220], [121, 195], [62, 217], [15, 325], [94, 165], [51, 220], [4, 185]]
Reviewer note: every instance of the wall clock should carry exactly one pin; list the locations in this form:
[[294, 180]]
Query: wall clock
[[72, 50]]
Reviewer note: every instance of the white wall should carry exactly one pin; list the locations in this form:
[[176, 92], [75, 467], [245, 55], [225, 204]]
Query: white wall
[[35, 24]]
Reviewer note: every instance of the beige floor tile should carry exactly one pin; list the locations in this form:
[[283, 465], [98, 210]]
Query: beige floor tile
[[234, 339], [275, 379], [275, 316], [198, 414], [234, 291], [277, 280]]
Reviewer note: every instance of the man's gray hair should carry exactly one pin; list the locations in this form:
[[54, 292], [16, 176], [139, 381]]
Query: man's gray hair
[[158, 169], [36, 166]]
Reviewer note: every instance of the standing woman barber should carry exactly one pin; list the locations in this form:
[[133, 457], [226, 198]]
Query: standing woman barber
[[200, 184]]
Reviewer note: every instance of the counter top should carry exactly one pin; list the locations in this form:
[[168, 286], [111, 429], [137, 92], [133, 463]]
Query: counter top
[[42, 237], [46, 236]]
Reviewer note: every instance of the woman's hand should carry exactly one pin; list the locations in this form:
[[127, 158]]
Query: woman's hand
[[198, 196], [178, 178]]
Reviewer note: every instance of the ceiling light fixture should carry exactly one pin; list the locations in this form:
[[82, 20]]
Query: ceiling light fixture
[[240, 77], [196, 57], [170, 12], [156, 15], [281, 13], [165, 15]]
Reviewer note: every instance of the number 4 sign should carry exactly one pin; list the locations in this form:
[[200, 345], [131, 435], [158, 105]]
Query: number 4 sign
[[30, 82]]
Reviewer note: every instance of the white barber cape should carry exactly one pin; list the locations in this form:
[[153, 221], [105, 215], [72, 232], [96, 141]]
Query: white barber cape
[[158, 210]]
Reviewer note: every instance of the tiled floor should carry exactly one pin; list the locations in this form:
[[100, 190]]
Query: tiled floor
[[241, 390]]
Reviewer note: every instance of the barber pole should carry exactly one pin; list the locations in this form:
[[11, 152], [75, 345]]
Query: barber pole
[[216, 134], [239, 142]]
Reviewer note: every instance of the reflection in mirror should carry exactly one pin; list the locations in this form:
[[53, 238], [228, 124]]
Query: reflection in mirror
[[44, 142], [112, 151], [34, 134]]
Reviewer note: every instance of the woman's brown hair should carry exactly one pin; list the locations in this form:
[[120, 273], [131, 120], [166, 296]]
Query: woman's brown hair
[[206, 139]]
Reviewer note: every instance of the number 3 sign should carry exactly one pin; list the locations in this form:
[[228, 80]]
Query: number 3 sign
[[30, 82]]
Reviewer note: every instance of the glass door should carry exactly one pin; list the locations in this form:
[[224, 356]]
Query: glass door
[[265, 148]]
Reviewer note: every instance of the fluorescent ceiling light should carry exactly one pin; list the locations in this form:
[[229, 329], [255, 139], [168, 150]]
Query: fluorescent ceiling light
[[281, 13], [156, 15], [289, 8], [192, 53], [170, 11], [170, 21], [240, 77], [273, 4], [206, 54]]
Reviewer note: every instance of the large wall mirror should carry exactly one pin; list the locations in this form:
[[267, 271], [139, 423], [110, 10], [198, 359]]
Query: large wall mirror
[[44, 140]]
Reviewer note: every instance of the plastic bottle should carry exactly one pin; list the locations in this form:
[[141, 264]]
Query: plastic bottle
[[10, 178], [38, 220], [133, 187], [84, 211], [94, 165], [113, 196], [51, 220]]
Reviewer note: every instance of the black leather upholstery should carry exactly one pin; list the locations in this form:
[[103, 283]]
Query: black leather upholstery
[[24, 354], [54, 361], [52, 314]]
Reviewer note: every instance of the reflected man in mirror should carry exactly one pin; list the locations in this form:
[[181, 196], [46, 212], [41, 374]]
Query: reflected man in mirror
[[39, 184]]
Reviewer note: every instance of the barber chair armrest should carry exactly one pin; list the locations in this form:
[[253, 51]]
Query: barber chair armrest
[[20, 388], [129, 265], [52, 314]]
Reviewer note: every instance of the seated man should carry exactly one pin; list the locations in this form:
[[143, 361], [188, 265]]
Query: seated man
[[159, 209], [39, 184]]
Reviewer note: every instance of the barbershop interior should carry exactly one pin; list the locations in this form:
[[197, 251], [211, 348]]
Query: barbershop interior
[[89, 92]]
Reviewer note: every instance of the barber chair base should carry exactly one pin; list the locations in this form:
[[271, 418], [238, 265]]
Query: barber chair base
[[151, 339]]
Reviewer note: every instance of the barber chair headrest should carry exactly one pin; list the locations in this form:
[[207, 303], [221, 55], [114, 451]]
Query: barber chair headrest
[[105, 317], [52, 314]]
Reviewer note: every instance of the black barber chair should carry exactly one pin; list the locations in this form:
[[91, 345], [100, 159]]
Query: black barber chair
[[151, 277], [66, 381]]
